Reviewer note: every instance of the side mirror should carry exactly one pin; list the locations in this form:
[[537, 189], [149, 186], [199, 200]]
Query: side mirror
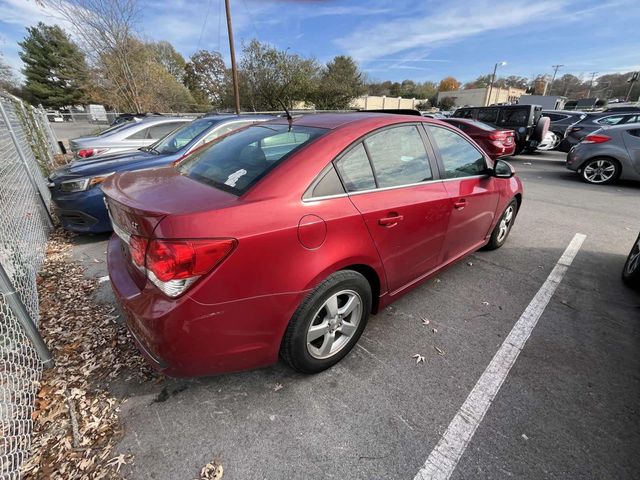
[[502, 169]]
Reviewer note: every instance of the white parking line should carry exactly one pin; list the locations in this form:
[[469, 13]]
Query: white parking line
[[445, 456]]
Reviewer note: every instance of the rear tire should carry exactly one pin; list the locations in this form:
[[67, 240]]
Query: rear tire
[[503, 227], [631, 270], [328, 323], [600, 171]]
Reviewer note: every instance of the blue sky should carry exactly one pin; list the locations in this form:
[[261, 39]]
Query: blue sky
[[392, 39]]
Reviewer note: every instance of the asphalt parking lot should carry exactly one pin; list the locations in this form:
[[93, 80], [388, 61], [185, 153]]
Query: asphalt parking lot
[[567, 409]]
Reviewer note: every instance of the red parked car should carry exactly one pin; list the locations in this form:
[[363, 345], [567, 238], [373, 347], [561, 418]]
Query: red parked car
[[495, 142], [283, 237]]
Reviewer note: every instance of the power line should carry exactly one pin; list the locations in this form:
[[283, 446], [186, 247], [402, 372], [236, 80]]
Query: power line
[[204, 24]]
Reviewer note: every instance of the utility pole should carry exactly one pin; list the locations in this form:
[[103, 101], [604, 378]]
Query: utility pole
[[232, 51], [555, 71], [593, 75], [632, 81]]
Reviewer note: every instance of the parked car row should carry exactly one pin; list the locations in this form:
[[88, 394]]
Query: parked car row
[[77, 198]]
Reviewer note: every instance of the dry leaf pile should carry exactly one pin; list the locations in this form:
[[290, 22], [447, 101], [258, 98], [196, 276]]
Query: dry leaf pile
[[76, 421]]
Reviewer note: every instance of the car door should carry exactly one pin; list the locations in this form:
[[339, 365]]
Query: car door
[[632, 142], [391, 178], [473, 193]]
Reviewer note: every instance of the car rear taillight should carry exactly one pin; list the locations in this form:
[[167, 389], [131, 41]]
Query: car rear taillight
[[505, 136], [85, 153], [174, 265], [90, 152], [595, 139]]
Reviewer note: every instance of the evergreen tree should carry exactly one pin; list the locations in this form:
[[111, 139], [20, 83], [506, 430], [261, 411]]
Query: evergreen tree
[[55, 69], [340, 82]]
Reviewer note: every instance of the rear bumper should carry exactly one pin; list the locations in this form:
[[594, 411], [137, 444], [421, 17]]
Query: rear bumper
[[184, 338], [82, 212]]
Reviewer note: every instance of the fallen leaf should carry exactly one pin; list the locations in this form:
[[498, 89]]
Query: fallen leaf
[[485, 303], [440, 352], [470, 264], [434, 330], [419, 358], [278, 387], [425, 321], [525, 437]]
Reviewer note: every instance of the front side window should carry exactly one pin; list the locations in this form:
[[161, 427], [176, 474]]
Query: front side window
[[399, 156], [236, 162], [355, 170], [460, 158]]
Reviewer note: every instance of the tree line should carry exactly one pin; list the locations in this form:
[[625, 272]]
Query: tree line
[[108, 62]]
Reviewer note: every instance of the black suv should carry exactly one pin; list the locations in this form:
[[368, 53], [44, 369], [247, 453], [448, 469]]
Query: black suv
[[526, 120], [594, 121]]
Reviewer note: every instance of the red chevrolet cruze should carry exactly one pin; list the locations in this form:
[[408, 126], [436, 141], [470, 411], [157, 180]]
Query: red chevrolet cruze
[[283, 237]]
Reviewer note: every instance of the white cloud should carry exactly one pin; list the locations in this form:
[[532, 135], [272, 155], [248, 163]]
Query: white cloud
[[452, 22]]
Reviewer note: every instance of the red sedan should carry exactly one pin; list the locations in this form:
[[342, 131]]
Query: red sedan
[[282, 238], [494, 141]]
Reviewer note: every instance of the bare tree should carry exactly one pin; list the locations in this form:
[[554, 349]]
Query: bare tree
[[105, 27]]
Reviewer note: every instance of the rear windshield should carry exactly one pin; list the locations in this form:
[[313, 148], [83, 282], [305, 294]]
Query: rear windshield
[[236, 162], [177, 139]]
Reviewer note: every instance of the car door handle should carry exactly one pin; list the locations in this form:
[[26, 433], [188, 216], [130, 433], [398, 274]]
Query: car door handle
[[460, 204], [390, 221]]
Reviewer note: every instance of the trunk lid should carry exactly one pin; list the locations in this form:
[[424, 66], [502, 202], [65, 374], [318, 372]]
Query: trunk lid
[[138, 201]]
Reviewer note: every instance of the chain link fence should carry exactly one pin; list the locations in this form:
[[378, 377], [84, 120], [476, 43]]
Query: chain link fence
[[26, 154]]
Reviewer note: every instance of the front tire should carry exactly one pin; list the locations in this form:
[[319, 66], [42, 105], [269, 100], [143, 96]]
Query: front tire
[[503, 227], [600, 171], [631, 270], [328, 323]]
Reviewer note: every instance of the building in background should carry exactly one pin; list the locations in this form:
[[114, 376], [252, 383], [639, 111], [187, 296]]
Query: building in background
[[372, 102], [479, 97], [548, 102]]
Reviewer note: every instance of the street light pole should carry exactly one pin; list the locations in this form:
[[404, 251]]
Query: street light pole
[[593, 75], [232, 51], [493, 79]]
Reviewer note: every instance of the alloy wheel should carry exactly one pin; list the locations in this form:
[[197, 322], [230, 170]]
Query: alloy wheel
[[334, 324], [599, 171], [505, 223]]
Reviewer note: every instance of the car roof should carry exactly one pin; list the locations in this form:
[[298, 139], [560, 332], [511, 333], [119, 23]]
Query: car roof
[[334, 120]]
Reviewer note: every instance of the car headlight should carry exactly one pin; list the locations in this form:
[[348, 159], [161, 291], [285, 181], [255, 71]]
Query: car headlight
[[82, 184]]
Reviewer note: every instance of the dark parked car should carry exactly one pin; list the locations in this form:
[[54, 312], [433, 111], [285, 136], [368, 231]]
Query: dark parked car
[[608, 154], [495, 142], [631, 270], [594, 121], [560, 121], [75, 188], [283, 237], [526, 120]]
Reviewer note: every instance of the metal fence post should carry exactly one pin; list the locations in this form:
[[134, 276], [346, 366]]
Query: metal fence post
[[12, 297], [5, 117]]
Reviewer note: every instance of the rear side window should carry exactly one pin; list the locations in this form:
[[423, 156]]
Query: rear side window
[[355, 170], [635, 133], [611, 120], [139, 135], [488, 115], [517, 117], [234, 163], [399, 156], [460, 158]]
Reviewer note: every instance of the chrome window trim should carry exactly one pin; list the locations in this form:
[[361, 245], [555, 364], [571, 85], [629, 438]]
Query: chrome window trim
[[395, 187]]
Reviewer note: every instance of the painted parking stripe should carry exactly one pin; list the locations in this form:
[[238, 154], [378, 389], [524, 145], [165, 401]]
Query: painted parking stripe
[[445, 456]]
